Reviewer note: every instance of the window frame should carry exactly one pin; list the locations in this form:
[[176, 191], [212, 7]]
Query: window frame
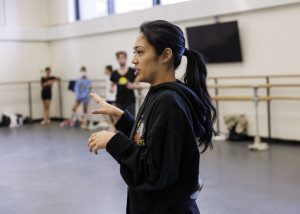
[[111, 9]]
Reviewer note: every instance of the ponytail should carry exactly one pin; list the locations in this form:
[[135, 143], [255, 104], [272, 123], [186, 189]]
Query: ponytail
[[195, 79], [161, 35]]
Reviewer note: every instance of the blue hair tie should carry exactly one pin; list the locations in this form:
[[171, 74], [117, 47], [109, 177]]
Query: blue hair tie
[[185, 51]]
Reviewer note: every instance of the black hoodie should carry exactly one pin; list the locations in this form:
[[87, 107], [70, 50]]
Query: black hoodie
[[158, 152]]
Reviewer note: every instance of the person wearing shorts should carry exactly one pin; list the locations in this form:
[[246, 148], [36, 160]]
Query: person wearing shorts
[[82, 89], [47, 82]]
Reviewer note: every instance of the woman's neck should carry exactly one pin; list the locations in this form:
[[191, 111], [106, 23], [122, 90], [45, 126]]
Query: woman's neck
[[164, 78]]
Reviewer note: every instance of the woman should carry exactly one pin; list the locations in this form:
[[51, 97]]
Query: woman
[[158, 152], [47, 82]]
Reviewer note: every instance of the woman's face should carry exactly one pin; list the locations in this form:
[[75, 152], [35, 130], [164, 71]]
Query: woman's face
[[145, 60]]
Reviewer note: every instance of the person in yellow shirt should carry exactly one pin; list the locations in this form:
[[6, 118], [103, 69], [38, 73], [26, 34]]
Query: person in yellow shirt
[[126, 82]]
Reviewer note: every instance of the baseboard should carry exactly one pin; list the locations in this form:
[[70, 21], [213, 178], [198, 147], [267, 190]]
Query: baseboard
[[57, 119], [52, 119], [275, 140]]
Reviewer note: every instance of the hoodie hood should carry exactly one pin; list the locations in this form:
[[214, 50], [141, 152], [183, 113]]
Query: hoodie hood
[[195, 105]]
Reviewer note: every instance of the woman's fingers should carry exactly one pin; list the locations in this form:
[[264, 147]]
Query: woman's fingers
[[93, 144], [96, 148], [98, 111], [103, 104], [99, 140], [89, 141], [97, 98]]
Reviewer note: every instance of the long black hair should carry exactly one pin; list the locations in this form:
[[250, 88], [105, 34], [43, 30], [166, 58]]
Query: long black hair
[[161, 35]]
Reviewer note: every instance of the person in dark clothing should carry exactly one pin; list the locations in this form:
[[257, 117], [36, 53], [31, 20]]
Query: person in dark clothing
[[158, 152], [47, 82], [124, 78]]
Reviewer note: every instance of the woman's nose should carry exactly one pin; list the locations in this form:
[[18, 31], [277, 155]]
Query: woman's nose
[[134, 61]]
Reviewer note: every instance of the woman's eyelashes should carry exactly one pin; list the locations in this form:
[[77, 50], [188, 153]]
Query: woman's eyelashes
[[138, 52]]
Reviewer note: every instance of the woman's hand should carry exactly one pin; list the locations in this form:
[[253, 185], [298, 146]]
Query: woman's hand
[[99, 140], [105, 107]]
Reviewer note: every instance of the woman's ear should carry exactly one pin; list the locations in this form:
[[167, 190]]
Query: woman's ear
[[166, 55]]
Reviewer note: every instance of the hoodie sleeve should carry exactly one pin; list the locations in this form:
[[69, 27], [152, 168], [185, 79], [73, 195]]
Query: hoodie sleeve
[[125, 123], [156, 165]]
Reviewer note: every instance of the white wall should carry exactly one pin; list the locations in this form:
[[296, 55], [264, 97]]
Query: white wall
[[26, 12], [23, 60], [2, 17], [59, 12], [269, 38]]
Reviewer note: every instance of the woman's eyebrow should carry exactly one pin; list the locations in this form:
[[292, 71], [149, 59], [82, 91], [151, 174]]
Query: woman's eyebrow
[[138, 46]]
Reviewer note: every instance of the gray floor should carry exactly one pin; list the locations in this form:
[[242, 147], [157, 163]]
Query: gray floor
[[49, 170]]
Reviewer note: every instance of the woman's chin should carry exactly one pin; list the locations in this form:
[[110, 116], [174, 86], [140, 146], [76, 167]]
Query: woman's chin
[[140, 78]]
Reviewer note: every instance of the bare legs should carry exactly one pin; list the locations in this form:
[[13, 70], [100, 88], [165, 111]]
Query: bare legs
[[75, 106], [85, 109], [46, 104]]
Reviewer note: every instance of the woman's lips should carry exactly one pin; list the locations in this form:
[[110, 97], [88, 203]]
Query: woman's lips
[[136, 72]]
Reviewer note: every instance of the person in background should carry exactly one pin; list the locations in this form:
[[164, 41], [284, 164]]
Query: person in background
[[110, 97], [124, 78], [82, 89], [47, 82]]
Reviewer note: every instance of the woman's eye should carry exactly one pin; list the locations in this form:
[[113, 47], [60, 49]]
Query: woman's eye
[[138, 52]]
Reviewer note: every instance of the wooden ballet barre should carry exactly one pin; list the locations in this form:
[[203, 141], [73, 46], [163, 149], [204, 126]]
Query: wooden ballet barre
[[98, 87], [229, 86], [19, 82], [251, 86], [246, 98], [98, 80], [278, 85], [236, 98], [254, 76], [232, 98], [284, 98]]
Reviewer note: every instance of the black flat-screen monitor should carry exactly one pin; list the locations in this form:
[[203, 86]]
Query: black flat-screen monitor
[[217, 42]]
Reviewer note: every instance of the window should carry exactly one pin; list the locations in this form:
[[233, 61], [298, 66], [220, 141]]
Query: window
[[92, 9], [171, 1], [123, 6]]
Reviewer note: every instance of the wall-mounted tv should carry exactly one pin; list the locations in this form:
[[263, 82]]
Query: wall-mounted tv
[[217, 42]]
